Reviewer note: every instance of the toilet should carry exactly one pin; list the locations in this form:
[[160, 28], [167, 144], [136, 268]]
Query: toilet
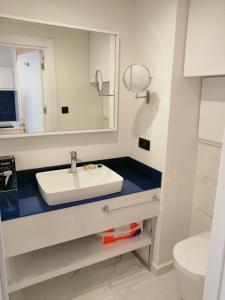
[[190, 262]]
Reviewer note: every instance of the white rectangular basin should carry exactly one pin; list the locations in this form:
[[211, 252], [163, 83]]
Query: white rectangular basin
[[61, 186]]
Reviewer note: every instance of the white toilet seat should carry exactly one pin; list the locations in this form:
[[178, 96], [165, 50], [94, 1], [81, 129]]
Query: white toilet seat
[[191, 255]]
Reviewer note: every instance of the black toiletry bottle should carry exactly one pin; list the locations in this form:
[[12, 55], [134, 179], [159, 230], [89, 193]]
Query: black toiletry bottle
[[8, 180]]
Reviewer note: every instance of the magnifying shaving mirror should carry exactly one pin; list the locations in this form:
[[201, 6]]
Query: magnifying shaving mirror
[[99, 84], [137, 79], [99, 81]]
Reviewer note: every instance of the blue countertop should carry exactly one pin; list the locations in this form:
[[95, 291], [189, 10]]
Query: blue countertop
[[27, 200]]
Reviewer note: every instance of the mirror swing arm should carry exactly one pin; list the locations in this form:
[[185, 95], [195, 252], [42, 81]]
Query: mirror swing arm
[[147, 97]]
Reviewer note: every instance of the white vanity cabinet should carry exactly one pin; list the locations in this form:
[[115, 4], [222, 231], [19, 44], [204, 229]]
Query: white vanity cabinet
[[6, 79], [44, 246], [102, 56], [205, 46]]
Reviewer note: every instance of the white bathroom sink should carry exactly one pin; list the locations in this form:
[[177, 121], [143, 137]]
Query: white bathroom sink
[[61, 186]]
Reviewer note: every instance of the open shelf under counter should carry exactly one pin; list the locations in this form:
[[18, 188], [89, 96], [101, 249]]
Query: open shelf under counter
[[91, 282], [40, 265]]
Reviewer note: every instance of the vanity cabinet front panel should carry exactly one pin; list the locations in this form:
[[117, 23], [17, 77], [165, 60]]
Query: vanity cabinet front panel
[[42, 230]]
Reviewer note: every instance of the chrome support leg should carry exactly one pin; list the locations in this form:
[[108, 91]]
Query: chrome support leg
[[147, 263]]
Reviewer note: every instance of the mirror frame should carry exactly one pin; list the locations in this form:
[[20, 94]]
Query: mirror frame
[[116, 104]]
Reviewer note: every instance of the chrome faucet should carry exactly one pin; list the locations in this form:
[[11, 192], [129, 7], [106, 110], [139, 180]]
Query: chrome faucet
[[74, 160]]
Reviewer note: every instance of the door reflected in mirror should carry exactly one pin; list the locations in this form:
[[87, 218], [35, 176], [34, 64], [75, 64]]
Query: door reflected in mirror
[[55, 79]]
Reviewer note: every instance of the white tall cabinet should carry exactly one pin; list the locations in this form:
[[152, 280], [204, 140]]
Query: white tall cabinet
[[205, 47]]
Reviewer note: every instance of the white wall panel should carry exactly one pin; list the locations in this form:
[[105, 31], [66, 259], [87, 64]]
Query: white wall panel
[[212, 111]]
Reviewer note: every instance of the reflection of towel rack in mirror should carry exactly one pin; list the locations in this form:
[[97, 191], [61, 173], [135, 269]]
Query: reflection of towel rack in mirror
[[99, 84], [27, 64]]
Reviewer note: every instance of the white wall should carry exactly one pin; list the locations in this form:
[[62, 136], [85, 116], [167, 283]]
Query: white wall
[[153, 39], [211, 129], [179, 175], [99, 14], [171, 120], [212, 110], [215, 277], [205, 187]]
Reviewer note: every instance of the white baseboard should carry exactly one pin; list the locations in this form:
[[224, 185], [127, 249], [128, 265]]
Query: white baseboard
[[162, 268]]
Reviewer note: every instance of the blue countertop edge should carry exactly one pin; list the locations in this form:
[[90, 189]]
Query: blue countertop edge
[[27, 200]]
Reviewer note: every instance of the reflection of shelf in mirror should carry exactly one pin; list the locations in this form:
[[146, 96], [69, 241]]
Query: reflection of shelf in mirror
[[6, 126], [35, 267], [9, 127], [5, 90]]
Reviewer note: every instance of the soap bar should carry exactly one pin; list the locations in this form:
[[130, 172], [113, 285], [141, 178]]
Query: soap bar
[[89, 167], [8, 181]]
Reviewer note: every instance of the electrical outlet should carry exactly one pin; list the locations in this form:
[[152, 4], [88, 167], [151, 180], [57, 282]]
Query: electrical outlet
[[144, 144], [65, 109]]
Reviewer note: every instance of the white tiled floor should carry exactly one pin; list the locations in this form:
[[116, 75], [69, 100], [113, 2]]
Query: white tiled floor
[[121, 278], [143, 286]]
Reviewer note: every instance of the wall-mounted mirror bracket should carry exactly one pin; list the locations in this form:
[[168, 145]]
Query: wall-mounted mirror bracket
[[147, 96]]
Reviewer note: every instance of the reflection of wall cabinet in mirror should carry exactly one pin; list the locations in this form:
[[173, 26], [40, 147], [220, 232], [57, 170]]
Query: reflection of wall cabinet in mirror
[[102, 49], [101, 55], [53, 73]]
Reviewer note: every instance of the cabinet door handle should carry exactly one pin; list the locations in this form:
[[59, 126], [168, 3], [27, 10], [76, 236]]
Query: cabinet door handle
[[107, 209]]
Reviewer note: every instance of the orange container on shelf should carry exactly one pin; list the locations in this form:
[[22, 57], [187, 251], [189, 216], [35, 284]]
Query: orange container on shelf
[[121, 233]]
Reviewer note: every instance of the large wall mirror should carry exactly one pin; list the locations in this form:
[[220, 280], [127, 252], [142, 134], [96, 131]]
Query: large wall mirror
[[56, 79]]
